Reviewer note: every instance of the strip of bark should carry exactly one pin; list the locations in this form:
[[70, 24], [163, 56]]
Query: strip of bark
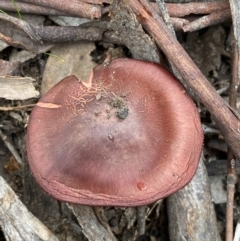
[[224, 117]]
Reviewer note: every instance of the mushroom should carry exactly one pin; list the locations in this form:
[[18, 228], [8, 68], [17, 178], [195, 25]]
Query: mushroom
[[129, 137]]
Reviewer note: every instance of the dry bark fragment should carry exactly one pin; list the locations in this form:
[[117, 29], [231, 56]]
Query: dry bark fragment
[[190, 211], [16, 221], [125, 24], [17, 88]]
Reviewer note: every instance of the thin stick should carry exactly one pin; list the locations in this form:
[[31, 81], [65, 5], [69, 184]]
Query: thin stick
[[27, 28], [165, 15], [180, 10], [235, 10], [234, 75], [209, 20], [11, 148], [6, 5], [78, 8], [232, 174], [56, 34], [9, 108], [231, 181]]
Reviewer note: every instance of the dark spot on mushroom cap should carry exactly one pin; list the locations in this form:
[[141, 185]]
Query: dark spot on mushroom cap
[[155, 151]]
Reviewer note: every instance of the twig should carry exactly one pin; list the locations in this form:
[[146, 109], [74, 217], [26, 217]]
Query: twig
[[209, 20], [31, 8], [210, 130], [58, 34], [21, 34], [169, 24], [219, 145], [178, 23], [234, 74], [23, 25], [6, 5], [159, 202], [99, 2], [231, 181], [180, 10], [218, 167], [174, 10], [232, 175], [221, 113], [9, 108], [11, 148], [165, 15], [235, 10], [233, 94], [79, 8]]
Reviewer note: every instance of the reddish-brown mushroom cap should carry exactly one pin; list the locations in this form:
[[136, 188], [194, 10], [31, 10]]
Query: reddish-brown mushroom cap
[[131, 138]]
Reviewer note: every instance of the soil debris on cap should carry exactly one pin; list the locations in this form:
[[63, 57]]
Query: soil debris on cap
[[119, 103]]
